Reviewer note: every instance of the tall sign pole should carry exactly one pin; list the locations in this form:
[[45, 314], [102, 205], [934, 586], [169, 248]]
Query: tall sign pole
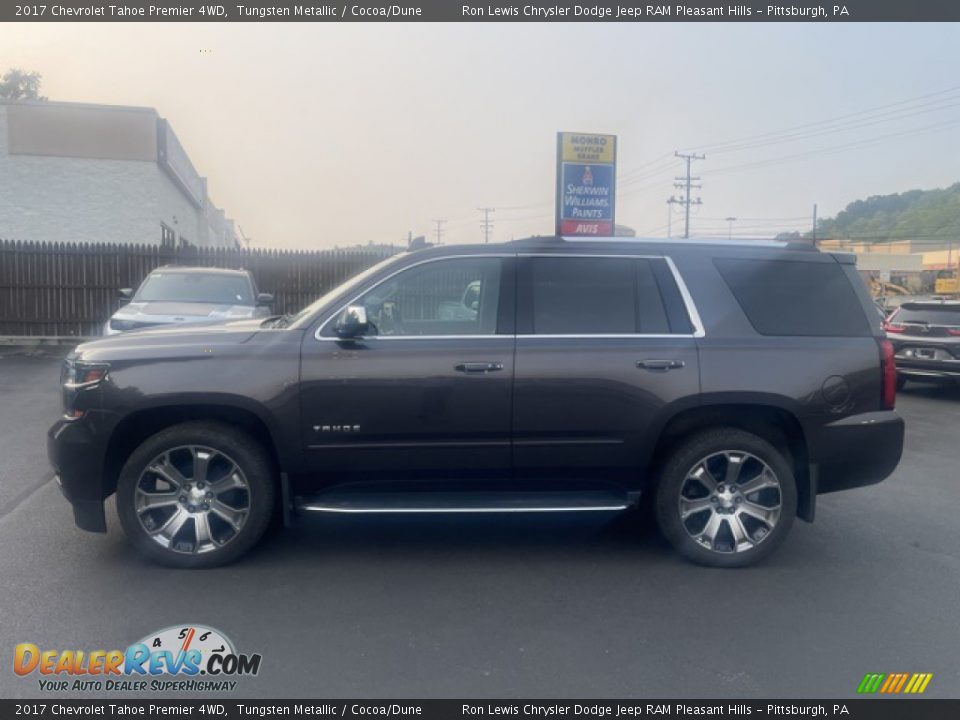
[[586, 184]]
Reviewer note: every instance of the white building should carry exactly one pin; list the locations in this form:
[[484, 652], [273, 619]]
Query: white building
[[73, 172]]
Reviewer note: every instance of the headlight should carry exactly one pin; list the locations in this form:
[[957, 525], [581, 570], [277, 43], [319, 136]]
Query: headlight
[[77, 378]]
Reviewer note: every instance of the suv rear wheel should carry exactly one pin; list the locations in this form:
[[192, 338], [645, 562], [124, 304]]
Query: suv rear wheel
[[198, 494], [726, 498]]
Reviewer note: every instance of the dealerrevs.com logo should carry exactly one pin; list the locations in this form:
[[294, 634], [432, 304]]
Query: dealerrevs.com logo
[[192, 658]]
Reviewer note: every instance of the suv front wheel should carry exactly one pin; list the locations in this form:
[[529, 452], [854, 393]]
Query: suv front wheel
[[726, 498], [198, 494]]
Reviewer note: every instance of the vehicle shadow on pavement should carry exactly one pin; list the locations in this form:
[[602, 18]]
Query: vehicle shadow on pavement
[[550, 535], [938, 392]]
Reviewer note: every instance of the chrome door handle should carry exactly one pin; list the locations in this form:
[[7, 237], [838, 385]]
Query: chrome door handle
[[660, 364], [476, 368]]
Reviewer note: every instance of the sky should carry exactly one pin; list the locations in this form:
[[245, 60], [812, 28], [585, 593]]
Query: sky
[[315, 135]]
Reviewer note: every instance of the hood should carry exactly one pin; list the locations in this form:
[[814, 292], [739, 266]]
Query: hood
[[170, 340], [180, 308], [171, 311]]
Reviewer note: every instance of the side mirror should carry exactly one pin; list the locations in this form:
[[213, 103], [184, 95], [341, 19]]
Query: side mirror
[[264, 299], [125, 293], [353, 322]]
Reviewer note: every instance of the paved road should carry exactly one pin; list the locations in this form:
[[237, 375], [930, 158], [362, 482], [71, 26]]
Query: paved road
[[542, 606]]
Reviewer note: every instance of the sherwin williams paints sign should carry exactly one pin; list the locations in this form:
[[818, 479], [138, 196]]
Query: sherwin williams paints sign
[[586, 183]]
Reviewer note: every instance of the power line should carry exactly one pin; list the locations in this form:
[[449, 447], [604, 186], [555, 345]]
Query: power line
[[845, 127], [686, 184], [637, 177], [760, 219], [834, 148], [718, 146], [486, 225]]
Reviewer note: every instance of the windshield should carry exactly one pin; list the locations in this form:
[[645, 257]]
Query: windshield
[[344, 287], [930, 314], [195, 287]]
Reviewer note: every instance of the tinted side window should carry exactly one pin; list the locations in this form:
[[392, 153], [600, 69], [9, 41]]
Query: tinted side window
[[595, 296], [783, 297], [447, 297]]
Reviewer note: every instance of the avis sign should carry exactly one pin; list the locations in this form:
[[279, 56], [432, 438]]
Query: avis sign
[[586, 183]]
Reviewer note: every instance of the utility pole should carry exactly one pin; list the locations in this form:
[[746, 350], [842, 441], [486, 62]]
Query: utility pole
[[486, 225], [730, 222], [670, 204], [814, 224], [686, 184], [439, 231]]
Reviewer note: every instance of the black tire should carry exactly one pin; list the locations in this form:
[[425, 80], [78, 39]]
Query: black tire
[[759, 539], [232, 445], [901, 381]]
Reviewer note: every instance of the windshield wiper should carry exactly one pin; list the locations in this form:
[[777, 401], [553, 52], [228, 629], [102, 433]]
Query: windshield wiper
[[274, 321], [279, 321]]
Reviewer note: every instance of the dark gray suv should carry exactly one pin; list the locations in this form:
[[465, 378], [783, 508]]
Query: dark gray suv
[[727, 383]]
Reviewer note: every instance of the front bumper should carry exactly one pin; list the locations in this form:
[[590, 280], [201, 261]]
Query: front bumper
[[858, 450], [77, 451]]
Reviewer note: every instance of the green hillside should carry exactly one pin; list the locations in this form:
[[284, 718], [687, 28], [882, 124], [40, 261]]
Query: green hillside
[[912, 214]]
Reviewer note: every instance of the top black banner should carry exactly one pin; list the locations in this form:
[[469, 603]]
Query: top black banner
[[502, 11]]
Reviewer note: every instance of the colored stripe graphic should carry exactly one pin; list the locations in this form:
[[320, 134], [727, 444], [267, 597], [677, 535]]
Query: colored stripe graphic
[[918, 683], [870, 683], [894, 683]]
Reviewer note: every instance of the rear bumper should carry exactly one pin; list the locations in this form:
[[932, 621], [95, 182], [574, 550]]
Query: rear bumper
[[858, 450], [927, 357], [932, 369], [77, 451]]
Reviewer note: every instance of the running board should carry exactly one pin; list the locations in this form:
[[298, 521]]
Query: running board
[[464, 502]]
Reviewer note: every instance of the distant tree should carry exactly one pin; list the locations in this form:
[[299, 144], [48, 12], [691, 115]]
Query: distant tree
[[17, 84], [928, 214], [787, 236]]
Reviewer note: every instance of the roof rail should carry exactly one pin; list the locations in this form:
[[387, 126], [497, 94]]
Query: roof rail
[[768, 243]]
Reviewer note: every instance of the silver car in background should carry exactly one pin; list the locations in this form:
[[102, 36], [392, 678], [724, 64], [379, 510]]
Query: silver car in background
[[926, 340], [176, 295]]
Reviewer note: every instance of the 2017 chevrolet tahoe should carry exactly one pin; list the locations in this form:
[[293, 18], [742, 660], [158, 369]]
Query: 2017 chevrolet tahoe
[[730, 383]]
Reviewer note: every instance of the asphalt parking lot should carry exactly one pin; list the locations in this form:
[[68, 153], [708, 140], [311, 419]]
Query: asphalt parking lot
[[537, 606]]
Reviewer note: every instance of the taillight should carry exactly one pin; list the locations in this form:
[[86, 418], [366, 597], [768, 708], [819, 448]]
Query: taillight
[[953, 331], [888, 373]]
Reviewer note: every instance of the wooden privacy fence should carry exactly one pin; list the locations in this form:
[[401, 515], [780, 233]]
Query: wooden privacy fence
[[70, 289]]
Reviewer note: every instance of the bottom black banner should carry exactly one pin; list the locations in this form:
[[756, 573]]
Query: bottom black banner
[[881, 709]]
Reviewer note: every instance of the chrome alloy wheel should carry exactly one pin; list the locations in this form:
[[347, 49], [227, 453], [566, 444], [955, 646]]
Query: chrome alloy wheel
[[192, 499], [730, 501]]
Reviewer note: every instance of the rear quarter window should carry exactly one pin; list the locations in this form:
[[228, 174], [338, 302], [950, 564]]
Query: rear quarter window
[[795, 298], [948, 315]]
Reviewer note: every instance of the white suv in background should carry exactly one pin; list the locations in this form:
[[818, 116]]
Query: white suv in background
[[176, 295]]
